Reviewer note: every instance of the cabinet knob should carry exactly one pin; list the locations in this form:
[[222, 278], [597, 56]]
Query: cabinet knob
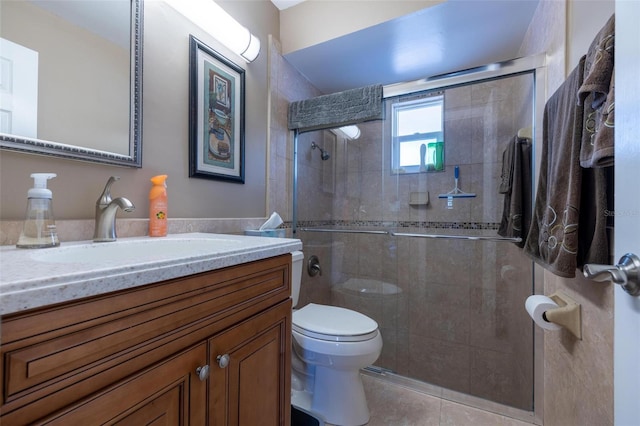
[[223, 360], [203, 372]]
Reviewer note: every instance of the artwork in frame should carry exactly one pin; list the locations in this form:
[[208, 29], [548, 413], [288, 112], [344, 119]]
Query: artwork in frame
[[216, 115]]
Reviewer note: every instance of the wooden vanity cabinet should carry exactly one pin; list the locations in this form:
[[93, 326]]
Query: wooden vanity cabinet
[[207, 349], [250, 377], [167, 391]]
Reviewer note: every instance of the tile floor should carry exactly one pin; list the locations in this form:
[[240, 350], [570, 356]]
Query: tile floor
[[395, 405]]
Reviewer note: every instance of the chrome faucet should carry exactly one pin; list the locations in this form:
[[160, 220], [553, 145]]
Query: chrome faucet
[[106, 209]]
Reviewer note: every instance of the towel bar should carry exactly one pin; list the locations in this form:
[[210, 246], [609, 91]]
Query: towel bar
[[343, 231], [459, 237]]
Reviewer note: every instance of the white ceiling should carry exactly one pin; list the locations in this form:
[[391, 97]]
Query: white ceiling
[[451, 36], [285, 4]]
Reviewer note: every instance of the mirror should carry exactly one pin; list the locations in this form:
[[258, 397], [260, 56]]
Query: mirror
[[71, 79]]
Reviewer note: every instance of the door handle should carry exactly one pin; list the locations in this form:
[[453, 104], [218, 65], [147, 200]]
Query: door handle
[[626, 273]]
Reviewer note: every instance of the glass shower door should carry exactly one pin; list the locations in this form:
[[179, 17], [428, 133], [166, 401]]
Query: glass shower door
[[446, 290]]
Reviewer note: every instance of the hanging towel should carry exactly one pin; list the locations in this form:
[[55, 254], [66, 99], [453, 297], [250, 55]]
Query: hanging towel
[[552, 240], [569, 225], [516, 185], [506, 176], [337, 109], [596, 227], [596, 94]]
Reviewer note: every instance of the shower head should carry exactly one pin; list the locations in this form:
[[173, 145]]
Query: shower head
[[323, 154]]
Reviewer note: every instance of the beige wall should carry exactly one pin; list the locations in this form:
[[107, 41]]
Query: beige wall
[[313, 22], [578, 374], [165, 133], [585, 18]]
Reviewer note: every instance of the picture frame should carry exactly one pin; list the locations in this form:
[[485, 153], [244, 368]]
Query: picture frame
[[216, 115]]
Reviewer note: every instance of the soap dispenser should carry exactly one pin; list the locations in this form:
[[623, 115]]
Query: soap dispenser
[[39, 230]]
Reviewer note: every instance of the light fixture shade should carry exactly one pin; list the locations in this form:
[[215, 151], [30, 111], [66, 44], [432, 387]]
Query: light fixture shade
[[352, 132], [223, 27], [253, 49]]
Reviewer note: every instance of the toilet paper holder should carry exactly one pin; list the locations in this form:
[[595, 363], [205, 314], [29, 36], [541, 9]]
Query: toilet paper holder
[[567, 314]]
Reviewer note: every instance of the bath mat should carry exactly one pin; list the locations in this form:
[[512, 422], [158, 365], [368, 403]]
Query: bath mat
[[300, 418]]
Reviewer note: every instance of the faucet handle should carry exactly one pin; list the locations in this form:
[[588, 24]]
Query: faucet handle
[[313, 266], [105, 198]]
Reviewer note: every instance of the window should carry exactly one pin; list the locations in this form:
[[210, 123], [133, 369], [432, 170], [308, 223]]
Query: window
[[418, 135]]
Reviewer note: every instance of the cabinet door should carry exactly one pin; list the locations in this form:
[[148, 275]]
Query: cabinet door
[[170, 392], [251, 371]]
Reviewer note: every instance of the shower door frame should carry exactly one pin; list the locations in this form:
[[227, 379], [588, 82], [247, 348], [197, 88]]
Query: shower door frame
[[535, 65]]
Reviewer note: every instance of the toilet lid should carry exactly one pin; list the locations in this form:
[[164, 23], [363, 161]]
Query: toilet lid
[[333, 323]]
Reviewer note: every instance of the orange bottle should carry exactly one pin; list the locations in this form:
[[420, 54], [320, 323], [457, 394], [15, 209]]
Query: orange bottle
[[158, 207]]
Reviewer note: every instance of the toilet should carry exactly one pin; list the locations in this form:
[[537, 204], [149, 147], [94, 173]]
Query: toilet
[[330, 346]]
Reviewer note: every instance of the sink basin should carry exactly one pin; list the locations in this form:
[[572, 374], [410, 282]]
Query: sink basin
[[129, 251]]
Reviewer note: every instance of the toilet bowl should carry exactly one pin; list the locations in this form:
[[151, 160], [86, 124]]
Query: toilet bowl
[[330, 346]]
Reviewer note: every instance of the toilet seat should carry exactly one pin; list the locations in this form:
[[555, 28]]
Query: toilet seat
[[333, 323]]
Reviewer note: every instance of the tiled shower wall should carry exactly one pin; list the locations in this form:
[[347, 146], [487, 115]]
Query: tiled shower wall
[[453, 310]]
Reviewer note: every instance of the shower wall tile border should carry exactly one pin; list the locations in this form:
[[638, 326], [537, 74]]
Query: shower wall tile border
[[396, 224]]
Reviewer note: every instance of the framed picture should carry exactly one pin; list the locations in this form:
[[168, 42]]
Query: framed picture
[[216, 115]]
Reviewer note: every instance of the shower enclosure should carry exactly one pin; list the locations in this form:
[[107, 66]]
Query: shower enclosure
[[447, 291]]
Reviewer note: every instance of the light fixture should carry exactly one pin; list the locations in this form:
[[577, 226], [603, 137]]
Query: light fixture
[[351, 132], [223, 27]]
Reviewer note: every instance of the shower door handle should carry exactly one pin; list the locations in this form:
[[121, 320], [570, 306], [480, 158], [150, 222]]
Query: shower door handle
[[626, 273]]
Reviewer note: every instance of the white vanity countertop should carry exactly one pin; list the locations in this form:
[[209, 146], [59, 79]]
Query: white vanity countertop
[[31, 278]]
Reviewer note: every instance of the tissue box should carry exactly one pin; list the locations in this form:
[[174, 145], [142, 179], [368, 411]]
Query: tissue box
[[276, 233]]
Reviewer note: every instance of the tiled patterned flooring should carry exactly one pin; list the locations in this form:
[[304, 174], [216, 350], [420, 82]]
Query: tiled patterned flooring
[[394, 405]]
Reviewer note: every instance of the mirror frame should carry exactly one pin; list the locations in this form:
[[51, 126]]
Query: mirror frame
[[59, 149]]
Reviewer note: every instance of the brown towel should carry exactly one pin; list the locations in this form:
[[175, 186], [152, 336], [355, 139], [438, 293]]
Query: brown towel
[[596, 94], [595, 225], [553, 237], [516, 185], [569, 224], [507, 168]]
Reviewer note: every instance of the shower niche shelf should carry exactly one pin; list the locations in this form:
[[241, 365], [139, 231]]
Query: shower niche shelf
[[419, 198]]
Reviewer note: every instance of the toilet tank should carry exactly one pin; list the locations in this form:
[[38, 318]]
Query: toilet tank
[[296, 275]]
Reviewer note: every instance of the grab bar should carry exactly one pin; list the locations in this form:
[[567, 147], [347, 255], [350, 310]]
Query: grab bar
[[344, 231], [404, 234], [458, 237]]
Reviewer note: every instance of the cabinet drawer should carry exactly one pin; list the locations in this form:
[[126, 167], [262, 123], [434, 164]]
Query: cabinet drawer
[[57, 355]]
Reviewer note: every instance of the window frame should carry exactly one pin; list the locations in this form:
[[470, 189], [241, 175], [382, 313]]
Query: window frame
[[396, 141]]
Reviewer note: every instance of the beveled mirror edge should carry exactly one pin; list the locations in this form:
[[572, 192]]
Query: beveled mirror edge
[[73, 152]]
